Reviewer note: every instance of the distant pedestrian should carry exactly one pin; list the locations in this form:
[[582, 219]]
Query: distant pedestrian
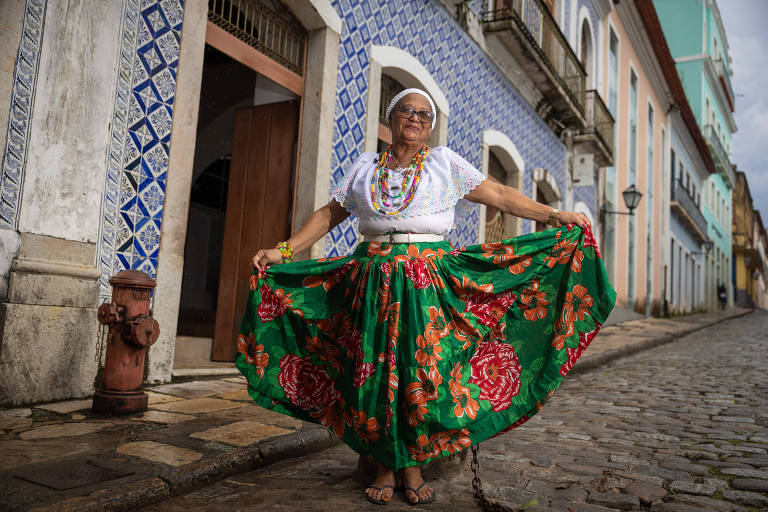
[[722, 295], [411, 349]]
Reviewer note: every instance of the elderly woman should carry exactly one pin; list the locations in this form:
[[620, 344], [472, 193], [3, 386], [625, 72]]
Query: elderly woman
[[410, 349]]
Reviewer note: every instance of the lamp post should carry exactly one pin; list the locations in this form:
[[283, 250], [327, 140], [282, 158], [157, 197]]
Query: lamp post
[[632, 198]]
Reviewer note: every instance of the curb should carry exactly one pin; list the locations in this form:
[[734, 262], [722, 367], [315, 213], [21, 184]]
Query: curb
[[159, 488], [612, 355], [308, 440]]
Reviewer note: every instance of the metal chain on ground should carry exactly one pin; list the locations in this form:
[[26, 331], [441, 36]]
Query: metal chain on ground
[[486, 503]]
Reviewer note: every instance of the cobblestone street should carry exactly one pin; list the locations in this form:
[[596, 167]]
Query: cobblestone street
[[681, 427]]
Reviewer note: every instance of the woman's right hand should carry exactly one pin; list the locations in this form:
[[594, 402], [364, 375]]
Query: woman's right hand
[[266, 257]]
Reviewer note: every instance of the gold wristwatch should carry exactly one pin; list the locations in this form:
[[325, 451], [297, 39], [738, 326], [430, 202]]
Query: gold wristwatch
[[554, 217]]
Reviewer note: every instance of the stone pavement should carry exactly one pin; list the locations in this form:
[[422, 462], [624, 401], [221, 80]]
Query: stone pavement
[[679, 428], [60, 456]]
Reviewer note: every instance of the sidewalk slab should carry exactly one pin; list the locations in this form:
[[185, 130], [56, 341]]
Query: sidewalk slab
[[199, 432]]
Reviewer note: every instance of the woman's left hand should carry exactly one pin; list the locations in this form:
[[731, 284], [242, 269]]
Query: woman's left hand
[[579, 219]]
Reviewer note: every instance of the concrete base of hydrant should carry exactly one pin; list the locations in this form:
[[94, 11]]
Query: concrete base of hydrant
[[119, 402]]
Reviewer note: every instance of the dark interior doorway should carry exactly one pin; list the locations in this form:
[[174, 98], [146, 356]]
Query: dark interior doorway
[[227, 87]]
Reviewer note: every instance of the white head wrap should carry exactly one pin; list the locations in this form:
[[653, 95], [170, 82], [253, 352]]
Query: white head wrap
[[412, 91]]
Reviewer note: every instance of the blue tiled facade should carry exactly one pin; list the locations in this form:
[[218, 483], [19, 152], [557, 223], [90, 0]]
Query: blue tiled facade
[[137, 164], [479, 95]]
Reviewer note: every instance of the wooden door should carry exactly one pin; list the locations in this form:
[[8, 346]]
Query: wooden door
[[258, 208]]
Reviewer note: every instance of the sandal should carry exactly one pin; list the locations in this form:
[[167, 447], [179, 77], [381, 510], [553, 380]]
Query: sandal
[[381, 493], [416, 492]]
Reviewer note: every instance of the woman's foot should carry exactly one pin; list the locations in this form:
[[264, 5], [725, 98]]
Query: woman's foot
[[382, 488], [416, 490]]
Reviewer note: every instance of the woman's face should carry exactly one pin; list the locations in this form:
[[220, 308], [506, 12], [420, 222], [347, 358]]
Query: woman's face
[[410, 129]]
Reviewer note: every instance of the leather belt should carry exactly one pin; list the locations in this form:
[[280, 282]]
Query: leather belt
[[404, 238]]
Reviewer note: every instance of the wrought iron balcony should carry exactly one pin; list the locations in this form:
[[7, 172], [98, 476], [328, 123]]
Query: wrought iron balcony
[[685, 205], [528, 31], [598, 134], [719, 155], [725, 80]]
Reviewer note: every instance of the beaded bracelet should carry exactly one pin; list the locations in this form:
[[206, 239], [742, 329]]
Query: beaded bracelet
[[286, 251]]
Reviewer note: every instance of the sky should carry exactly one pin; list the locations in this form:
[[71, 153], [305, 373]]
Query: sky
[[744, 22]]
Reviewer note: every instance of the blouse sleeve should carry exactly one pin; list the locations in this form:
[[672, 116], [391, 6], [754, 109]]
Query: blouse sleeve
[[465, 176], [344, 193]]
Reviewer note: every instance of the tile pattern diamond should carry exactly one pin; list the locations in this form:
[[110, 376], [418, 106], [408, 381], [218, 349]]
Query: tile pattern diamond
[[139, 146], [22, 97], [479, 94]]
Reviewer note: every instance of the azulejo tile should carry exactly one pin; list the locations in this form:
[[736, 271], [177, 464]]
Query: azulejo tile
[[143, 117]]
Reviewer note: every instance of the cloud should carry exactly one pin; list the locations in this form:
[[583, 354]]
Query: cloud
[[744, 24]]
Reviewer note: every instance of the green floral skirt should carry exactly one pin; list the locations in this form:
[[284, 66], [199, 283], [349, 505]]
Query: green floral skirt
[[411, 352]]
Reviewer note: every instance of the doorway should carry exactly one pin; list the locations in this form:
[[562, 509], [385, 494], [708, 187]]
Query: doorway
[[245, 152]]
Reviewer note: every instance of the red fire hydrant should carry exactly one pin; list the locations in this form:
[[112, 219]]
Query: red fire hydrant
[[131, 330]]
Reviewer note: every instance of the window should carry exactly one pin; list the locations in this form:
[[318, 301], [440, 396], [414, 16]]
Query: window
[[389, 89], [632, 126], [632, 179], [585, 52]]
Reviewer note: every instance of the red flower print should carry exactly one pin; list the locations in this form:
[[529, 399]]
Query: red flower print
[[366, 428], [456, 440], [393, 321], [332, 416], [437, 327], [561, 253], [563, 327], [422, 450], [254, 354], [496, 371], [347, 335], [578, 257], [334, 258], [455, 380], [464, 331], [306, 385], [415, 407], [585, 338], [333, 277], [589, 240], [488, 307], [362, 370], [533, 302], [579, 302], [374, 249], [253, 282], [426, 385], [465, 404], [428, 353], [326, 351], [273, 303], [504, 256], [416, 270]]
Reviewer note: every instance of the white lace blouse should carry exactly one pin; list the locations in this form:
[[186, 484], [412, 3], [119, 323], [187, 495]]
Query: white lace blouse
[[445, 178]]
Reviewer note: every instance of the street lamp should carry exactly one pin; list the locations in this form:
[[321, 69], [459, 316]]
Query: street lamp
[[632, 198]]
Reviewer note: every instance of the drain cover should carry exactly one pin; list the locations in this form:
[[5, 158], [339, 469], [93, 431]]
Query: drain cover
[[71, 474]]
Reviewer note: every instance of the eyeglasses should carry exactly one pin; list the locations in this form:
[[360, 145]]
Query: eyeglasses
[[424, 116]]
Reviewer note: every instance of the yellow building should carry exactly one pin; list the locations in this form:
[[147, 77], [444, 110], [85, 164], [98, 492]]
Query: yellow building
[[747, 262]]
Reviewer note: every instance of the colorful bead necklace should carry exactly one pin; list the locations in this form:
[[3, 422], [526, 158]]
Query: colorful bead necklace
[[387, 203]]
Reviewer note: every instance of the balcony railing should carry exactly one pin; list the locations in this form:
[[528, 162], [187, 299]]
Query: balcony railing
[[542, 41], [686, 205], [719, 155], [599, 131], [725, 80], [275, 33]]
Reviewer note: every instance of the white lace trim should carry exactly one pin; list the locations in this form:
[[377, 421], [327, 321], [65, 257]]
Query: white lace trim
[[446, 178]]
